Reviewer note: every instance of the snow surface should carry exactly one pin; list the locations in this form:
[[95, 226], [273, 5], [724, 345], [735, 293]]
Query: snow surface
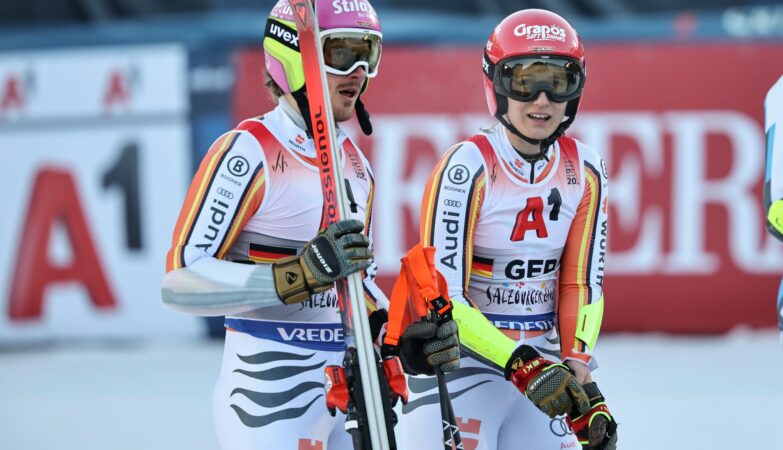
[[666, 392]]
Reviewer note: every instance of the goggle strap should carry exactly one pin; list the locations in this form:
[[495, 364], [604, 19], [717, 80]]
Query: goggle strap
[[488, 67], [300, 97]]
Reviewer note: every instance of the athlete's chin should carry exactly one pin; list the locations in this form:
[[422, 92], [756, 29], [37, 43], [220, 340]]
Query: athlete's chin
[[342, 113], [537, 132]]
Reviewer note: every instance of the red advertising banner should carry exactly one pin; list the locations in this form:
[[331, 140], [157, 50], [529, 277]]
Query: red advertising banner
[[681, 129]]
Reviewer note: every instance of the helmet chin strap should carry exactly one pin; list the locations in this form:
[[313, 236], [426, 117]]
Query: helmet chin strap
[[543, 144], [362, 115], [304, 109]]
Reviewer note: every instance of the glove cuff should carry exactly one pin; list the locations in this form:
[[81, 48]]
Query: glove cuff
[[523, 354], [411, 352], [392, 368], [377, 318], [291, 281], [593, 393]]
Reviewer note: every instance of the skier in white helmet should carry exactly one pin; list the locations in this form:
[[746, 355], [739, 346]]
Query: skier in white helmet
[[251, 244]]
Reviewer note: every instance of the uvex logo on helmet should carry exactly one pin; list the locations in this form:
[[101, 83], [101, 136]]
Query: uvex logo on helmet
[[284, 35], [541, 32]]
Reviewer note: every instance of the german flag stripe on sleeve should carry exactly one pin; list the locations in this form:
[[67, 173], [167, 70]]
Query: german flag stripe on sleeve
[[593, 179], [196, 197], [577, 267], [268, 253], [369, 299], [473, 208], [251, 200], [368, 212], [431, 193]]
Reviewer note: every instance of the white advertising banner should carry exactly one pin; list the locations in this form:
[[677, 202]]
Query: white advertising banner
[[106, 82], [93, 186]]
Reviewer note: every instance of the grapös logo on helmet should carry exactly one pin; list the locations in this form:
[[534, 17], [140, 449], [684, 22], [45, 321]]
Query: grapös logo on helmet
[[541, 32]]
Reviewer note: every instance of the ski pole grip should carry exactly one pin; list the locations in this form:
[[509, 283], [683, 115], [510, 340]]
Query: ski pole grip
[[440, 308]]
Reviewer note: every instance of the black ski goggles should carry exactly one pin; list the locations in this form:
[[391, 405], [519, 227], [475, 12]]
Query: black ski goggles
[[347, 50], [523, 79]]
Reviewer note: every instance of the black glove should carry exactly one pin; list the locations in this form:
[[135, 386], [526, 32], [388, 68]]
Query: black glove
[[334, 254], [425, 345], [377, 319], [596, 429], [550, 386]]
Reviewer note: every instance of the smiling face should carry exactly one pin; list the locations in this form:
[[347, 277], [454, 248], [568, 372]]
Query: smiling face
[[536, 119], [344, 90]]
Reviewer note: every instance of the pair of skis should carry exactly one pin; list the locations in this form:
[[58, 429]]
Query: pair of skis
[[369, 419]]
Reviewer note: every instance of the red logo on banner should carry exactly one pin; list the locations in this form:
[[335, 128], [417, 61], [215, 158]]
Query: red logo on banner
[[117, 90], [54, 199], [12, 94]]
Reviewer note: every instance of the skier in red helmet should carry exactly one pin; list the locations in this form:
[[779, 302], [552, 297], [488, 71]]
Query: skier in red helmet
[[518, 216]]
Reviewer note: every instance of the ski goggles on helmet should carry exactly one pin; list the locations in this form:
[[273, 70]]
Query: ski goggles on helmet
[[523, 79], [345, 50]]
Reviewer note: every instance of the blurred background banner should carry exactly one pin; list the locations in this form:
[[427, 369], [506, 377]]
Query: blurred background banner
[[91, 140], [681, 128]]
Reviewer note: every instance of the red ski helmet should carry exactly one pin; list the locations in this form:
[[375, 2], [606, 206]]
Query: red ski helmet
[[526, 38]]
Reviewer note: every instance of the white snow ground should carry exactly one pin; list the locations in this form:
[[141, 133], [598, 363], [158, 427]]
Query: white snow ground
[[667, 393]]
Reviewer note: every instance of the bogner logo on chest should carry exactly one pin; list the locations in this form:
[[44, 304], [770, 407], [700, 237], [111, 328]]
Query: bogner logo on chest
[[531, 218]]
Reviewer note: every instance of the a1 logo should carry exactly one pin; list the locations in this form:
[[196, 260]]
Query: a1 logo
[[531, 218]]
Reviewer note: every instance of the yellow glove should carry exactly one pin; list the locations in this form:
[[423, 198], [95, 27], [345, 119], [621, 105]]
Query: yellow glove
[[775, 217]]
